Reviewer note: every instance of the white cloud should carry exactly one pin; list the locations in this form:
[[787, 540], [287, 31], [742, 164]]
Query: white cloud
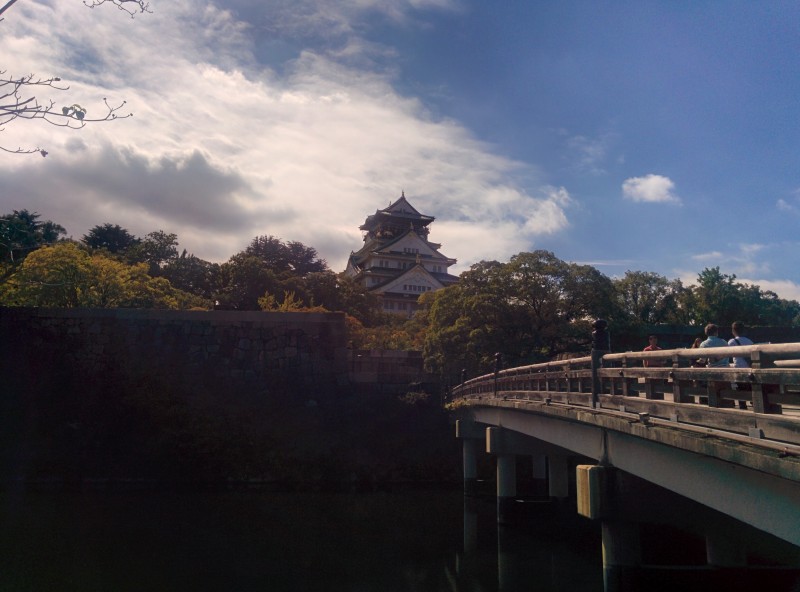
[[650, 188], [589, 153], [785, 206], [221, 149], [786, 289], [710, 256]]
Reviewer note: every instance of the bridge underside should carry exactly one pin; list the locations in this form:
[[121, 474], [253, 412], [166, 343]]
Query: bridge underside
[[756, 485]]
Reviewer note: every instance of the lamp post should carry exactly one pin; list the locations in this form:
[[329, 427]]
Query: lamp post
[[601, 344], [498, 361]]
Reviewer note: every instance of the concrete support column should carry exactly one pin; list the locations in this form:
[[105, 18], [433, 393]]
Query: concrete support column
[[622, 547], [470, 525], [622, 555], [470, 454], [506, 486], [725, 551], [558, 476], [539, 475], [472, 442]]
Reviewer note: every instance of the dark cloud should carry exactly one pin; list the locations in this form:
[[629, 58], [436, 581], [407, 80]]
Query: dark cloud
[[186, 195], [187, 189]]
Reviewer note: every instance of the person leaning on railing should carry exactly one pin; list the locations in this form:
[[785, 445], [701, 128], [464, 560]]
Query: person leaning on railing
[[652, 346], [713, 340], [737, 328]]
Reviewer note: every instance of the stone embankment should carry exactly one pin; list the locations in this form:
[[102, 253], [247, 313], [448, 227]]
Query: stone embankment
[[252, 351]]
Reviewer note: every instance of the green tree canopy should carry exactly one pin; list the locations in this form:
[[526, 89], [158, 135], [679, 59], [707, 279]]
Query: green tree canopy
[[293, 257], [66, 275], [111, 237], [192, 274], [156, 249], [21, 233], [532, 308], [719, 298], [648, 298]]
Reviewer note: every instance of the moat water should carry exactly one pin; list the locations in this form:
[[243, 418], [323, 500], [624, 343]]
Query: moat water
[[276, 542]]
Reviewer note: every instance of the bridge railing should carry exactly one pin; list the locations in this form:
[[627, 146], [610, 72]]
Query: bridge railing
[[672, 386]]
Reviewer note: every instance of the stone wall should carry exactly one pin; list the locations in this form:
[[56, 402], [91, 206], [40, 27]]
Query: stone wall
[[389, 371], [116, 398], [254, 351]]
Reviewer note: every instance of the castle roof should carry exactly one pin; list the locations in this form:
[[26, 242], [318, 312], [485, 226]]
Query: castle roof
[[398, 213]]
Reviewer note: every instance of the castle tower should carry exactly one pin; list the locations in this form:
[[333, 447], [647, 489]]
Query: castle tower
[[397, 261]]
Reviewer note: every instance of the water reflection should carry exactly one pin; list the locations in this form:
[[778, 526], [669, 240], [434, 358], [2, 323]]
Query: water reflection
[[426, 541]]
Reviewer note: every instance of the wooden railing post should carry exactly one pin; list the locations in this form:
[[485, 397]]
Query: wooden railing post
[[760, 403]]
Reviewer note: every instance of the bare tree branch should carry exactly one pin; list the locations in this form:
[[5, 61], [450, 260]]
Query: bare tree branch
[[6, 6], [132, 7], [15, 105]]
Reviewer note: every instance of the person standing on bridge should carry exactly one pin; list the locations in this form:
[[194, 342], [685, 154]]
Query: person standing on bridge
[[652, 341], [713, 340], [737, 328]]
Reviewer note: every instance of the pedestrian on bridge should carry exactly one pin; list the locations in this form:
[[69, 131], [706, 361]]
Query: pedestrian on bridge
[[713, 340], [737, 328], [652, 341]]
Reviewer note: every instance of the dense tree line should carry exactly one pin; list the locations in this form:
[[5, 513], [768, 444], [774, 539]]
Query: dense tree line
[[110, 267], [532, 308], [536, 307]]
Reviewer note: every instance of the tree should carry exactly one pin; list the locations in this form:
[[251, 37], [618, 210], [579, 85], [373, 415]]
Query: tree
[[293, 257], [111, 237], [192, 274], [50, 276], [720, 299], [244, 280], [21, 232], [646, 297], [339, 292], [270, 266], [304, 260], [155, 249], [529, 309], [18, 100], [67, 275]]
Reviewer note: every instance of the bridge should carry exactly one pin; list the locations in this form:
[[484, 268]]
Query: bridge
[[611, 431]]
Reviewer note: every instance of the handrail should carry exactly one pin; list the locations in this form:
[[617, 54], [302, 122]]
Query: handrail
[[768, 390], [770, 350]]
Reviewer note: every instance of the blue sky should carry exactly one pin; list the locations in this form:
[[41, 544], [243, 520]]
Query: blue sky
[[653, 136]]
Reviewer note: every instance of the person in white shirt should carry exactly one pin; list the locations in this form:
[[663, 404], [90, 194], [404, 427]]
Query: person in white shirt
[[737, 328]]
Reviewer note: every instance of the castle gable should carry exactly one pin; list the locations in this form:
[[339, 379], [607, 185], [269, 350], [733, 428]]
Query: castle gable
[[410, 244], [414, 281]]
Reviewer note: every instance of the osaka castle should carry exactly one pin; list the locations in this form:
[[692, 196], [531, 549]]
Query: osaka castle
[[397, 261]]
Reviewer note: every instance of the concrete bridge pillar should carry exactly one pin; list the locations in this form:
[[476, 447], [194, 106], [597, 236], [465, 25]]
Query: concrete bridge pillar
[[506, 471], [622, 555], [558, 475], [725, 551], [506, 486], [622, 548], [472, 441]]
